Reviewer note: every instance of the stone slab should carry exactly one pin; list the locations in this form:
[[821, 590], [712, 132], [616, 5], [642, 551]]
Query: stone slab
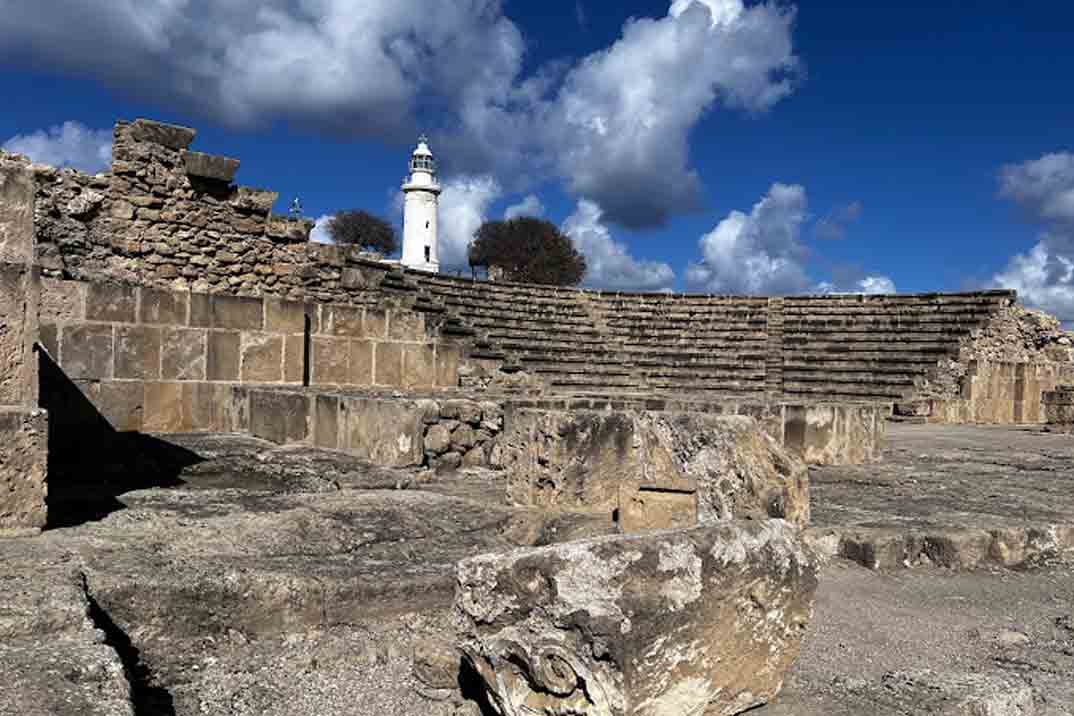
[[23, 468], [16, 213], [384, 432], [19, 293], [279, 416]]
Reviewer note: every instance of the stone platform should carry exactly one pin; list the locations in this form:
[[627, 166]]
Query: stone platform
[[229, 574], [954, 495]]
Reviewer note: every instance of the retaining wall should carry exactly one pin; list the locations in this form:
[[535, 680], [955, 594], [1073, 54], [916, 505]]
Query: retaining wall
[[165, 361]]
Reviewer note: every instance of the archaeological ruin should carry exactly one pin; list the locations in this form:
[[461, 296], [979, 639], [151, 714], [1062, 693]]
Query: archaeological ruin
[[244, 473]]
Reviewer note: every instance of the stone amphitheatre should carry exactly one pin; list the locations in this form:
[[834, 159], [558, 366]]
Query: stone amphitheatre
[[242, 473]]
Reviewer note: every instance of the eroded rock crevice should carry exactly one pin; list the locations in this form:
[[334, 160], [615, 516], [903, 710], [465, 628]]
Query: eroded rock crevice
[[148, 698]]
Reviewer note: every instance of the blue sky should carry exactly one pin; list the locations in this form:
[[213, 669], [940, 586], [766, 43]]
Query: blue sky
[[704, 145]]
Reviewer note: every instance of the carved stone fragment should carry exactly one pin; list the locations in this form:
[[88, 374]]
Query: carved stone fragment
[[706, 620]]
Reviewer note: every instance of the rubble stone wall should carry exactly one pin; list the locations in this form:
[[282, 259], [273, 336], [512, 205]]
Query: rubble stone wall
[[162, 360], [392, 431]]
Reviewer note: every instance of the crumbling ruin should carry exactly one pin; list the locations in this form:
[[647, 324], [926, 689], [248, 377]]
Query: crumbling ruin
[[281, 477]]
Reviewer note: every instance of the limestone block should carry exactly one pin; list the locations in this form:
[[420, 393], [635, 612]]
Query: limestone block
[[137, 352], [62, 300], [285, 316], [172, 136], [183, 354], [19, 295], [326, 421], [437, 439], [23, 468], [234, 312], [222, 355], [330, 359], [163, 307], [342, 321], [111, 302], [375, 324], [16, 213], [294, 359], [262, 358], [278, 416], [705, 620], [283, 228], [447, 366], [388, 359], [210, 166], [466, 411], [256, 201], [601, 460], [361, 363], [406, 326], [163, 407], [419, 365], [384, 432], [87, 350], [121, 403]]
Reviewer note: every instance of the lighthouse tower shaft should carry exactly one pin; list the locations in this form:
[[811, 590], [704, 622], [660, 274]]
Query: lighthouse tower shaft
[[421, 200]]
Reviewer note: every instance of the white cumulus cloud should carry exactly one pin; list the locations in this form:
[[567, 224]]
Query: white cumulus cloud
[[319, 234], [70, 144], [613, 125], [464, 206], [529, 206], [1043, 275], [761, 253], [609, 264]]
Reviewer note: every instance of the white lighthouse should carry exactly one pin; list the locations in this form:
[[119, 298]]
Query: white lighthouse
[[422, 196]]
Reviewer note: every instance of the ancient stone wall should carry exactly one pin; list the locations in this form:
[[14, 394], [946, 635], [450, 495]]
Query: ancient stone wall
[[23, 425], [161, 360], [169, 217]]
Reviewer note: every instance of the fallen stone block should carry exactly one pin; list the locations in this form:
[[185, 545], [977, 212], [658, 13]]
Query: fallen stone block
[[653, 469], [706, 620]]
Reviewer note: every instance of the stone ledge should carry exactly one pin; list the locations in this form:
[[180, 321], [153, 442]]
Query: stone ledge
[[210, 166]]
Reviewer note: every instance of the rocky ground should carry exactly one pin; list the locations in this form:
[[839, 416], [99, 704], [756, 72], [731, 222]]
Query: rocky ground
[[256, 579]]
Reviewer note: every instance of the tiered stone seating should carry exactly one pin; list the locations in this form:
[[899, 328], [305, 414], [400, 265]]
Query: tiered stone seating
[[546, 329], [824, 347], [876, 347], [688, 344]]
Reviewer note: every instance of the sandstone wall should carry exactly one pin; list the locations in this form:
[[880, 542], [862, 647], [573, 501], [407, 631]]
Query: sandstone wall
[[23, 426], [161, 360]]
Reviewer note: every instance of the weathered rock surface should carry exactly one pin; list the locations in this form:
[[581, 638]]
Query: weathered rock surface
[[54, 660], [705, 620], [657, 469]]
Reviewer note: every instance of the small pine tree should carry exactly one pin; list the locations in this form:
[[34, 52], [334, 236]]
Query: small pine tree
[[362, 229], [528, 250]]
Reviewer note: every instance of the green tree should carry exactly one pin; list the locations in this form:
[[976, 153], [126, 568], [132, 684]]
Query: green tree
[[362, 229], [528, 250]]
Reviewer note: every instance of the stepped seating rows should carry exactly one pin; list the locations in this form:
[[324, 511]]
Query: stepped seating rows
[[832, 347], [878, 347], [547, 330], [690, 344]]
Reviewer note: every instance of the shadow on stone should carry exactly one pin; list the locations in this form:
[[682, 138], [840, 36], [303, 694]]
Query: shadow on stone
[[472, 688], [90, 463], [147, 699]]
